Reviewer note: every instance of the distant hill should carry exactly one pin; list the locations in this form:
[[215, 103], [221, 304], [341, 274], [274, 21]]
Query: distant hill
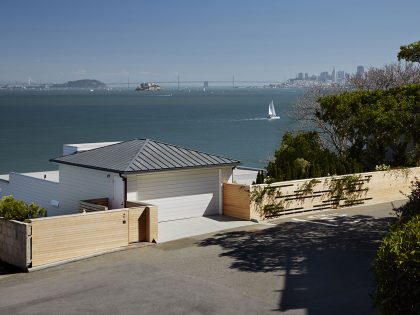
[[82, 84]]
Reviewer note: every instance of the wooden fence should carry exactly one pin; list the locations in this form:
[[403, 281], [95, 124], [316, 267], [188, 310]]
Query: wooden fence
[[236, 201], [261, 202], [92, 205], [70, 236], [53, 239]]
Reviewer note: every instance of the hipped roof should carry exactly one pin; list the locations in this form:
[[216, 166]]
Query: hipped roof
[[143, 156]]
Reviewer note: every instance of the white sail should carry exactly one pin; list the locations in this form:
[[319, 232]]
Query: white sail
[[272, 111]]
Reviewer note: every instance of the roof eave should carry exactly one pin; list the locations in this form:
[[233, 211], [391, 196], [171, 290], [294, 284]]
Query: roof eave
[[181, 168], [125, 172]]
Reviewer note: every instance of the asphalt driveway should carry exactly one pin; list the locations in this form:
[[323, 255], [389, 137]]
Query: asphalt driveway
[[310, 264]]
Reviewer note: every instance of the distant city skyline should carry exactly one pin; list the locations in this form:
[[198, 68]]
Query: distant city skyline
[[54, 41]]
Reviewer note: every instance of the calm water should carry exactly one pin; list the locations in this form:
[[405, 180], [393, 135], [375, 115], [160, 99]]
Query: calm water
[[35, 124]]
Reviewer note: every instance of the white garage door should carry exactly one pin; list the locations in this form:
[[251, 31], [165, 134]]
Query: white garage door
[[181, 194]]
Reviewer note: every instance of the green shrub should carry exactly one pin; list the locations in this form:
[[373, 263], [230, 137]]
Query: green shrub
[[12, 209], [302, 156], [412, 207], [397, 270]]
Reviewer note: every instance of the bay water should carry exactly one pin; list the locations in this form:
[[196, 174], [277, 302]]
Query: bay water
[[229, 122]]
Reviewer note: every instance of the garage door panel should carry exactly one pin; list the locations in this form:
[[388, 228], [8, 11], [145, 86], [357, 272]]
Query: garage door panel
[[187, 207], [150, 185], [175, 190], [181, 195]]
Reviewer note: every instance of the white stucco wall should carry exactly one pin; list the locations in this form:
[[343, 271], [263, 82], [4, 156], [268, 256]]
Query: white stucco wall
[[31, 189], [78, 183]]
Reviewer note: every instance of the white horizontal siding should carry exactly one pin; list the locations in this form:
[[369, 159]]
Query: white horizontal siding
[[30, 189], [178, 194], [78, 183]]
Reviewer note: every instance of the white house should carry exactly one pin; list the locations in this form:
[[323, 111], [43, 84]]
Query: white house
[[183, 183]]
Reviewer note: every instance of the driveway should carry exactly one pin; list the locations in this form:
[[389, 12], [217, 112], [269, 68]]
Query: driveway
[[309, 264], [176, 229]]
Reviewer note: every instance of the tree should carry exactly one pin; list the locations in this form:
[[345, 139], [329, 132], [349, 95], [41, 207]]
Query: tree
[[410, 52], [386, 77], [304, 112], [302, 156], [376, 127], [12, 209]]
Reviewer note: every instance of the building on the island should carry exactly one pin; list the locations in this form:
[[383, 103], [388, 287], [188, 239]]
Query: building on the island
[[148, 86]]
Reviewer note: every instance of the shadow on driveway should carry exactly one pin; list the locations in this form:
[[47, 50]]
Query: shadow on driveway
[[7, 270], [325, 264]]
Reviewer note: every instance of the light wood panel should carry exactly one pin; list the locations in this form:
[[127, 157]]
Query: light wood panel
[[137, 224], [63, 237], [236, 201]]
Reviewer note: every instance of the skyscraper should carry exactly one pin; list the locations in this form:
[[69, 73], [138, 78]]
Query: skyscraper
[[360, 71], [323, 76], [333, 78]]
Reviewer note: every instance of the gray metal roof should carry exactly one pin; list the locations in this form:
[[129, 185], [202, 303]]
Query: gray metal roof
[[142, 156]]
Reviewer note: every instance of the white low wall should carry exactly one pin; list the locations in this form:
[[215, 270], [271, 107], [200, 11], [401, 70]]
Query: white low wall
[[31, 189]]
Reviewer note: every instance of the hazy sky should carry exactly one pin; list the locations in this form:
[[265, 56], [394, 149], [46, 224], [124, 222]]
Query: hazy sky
[[59, 40]]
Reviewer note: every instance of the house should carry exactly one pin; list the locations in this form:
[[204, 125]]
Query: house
[[183, 183]]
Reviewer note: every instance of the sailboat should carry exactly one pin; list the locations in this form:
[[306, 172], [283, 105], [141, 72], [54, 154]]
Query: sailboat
[[272, 111]]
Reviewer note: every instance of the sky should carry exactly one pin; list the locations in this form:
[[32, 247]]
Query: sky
[[270, 40]]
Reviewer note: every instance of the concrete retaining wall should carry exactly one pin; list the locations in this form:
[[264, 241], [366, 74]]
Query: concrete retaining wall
[[15, 243]]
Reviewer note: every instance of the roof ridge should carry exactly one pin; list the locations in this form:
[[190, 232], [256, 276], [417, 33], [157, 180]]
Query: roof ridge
[[93, 149], [184, 148], [146, 141]]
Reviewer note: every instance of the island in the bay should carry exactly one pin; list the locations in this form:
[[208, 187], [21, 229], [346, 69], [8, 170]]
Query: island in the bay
[[82, 84]]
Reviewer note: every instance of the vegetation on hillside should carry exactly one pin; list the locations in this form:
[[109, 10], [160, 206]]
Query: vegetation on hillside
[[375, 122], [376, 127], [302, 156], [82, 84]]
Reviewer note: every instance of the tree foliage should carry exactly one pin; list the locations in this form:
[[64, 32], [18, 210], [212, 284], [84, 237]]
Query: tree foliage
[[302, 156], [412, 207], [410, 52], [376, 127], [12, 209]]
